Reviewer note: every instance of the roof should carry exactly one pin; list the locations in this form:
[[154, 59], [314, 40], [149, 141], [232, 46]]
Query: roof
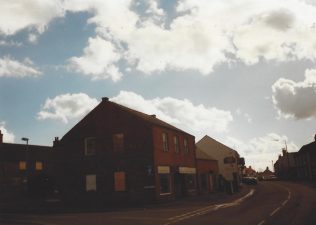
[[150, 119], [10, 151], [309, 147], [200, 154], [211, 141]]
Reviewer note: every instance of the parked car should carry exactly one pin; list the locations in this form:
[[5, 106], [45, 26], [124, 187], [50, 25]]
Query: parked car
[[250, 180]]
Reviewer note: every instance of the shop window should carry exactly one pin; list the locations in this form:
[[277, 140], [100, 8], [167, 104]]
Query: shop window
[[190, 181], [90, 146], [203, 180], [186, 145], [91, 182], [118, 142], [176, 144], [38, 165], [22, 165], [165, 142], [165, 185], [119, 181]]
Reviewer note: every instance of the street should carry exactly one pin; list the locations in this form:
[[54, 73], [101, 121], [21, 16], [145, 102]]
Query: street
[[269, 202]]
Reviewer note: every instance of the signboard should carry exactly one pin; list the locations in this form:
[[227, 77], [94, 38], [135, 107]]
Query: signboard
[[163, 169], [187, 170]]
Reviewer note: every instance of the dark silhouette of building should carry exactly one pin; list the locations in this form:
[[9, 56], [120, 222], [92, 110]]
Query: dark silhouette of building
[[306, 161], [116, 153], [25, 169]]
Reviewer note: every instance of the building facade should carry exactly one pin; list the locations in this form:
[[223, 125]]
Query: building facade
[[207, 172], [116, 153], [25, 169], [229, 163]]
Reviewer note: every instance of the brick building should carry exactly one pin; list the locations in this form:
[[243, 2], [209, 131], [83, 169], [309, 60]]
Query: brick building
[[116, 153], [24, 168], [207, 172]]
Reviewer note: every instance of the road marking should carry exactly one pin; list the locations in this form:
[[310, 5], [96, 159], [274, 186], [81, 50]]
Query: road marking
[[275, 211], [205, 210], [262, 222]]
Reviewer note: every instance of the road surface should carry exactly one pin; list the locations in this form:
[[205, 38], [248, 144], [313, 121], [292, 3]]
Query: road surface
[[269, 202]]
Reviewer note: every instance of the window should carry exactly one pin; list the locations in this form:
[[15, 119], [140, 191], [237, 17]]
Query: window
[[118, 142], [38, 165], [90, 146], [165, 142], [165, 183], [229, 160], [119, 181], [176, 144], [190, 181], [22, 165], [203, 179], [91, 182], [186, 146]]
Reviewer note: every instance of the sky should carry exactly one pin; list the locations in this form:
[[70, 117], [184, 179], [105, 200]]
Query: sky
[[240, 71]]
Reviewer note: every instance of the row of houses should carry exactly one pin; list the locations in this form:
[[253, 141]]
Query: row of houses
[[119, 154], [297, 165]]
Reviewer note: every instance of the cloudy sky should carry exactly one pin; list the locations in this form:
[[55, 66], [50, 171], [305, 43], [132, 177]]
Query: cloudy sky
[[240, 71]]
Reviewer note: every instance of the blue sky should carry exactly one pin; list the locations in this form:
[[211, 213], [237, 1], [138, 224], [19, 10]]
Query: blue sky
[[242, 72]]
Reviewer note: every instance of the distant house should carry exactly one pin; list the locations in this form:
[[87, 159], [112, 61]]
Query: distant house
[[286, 165], [116, 153], [24, 167], [249, 172], [207, 172], [229, 163]]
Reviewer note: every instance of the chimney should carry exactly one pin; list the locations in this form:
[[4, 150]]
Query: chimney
[[56, 141], [105, 99], [1, 137]]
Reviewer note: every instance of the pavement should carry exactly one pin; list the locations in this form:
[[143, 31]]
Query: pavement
[[29, 205]]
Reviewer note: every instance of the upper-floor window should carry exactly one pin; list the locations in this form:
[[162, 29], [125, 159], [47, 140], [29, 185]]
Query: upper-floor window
[[22, 165], [39, 165], [186, 145], [165, 142], [118, 142], [90, 146], [176, 144]]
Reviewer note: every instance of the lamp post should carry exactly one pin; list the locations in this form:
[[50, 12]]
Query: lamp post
[[26, 159]]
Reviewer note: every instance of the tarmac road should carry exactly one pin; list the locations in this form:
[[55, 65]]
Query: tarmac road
[[269, 202]]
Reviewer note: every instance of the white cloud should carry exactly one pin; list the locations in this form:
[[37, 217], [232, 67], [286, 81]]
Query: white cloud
[[7, 135], [19, 14], [200, 36], [296, 99], [12, 68], [98, 61], [260, 151], [66, 107], [195, 119]]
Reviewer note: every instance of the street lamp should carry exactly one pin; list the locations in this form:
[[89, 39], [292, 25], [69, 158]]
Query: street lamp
[[26, 158]]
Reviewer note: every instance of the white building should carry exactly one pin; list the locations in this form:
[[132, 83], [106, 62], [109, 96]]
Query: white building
[[228, 159]]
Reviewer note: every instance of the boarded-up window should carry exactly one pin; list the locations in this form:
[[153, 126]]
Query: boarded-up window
[[118, 142], [38, 165], [119, 181], [90, 146], [22, 165], [91, 182]]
